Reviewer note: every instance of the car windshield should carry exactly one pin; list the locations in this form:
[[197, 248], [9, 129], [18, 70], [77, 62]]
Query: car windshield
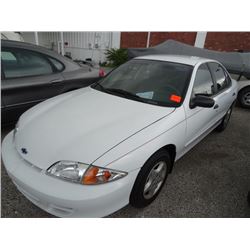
[[151, 81]]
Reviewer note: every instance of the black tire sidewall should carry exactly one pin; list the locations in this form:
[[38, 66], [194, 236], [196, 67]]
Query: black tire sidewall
[[136, 197]]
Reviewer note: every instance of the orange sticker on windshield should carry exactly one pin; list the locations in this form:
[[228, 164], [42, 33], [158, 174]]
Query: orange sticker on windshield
[[175, 98]]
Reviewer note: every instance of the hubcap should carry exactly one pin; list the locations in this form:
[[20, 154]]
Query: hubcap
[[155, 179], [246, 99]]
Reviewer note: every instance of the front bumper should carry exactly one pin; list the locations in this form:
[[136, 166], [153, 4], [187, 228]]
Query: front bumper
[[61, 198]]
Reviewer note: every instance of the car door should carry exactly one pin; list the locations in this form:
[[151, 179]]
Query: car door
[[200, 120], [224, 92], [29, 77]]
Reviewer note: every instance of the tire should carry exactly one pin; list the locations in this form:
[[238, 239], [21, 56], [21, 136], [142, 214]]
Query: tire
[[224, 122], [244, 97], [154, 171]]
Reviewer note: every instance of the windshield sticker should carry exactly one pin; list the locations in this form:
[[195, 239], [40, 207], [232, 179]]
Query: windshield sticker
[[146, 95], [175, 98]]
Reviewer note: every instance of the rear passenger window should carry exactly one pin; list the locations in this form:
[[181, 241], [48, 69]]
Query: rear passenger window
[[203, 83], [221, 77], [23, 63]]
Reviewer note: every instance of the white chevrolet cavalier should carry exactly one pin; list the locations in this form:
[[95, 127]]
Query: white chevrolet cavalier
[[90, 152]]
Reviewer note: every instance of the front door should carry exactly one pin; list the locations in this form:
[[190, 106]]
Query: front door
[[200, 120]]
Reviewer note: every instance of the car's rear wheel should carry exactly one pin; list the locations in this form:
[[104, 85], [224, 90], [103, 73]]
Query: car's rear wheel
[[244, 97], [222, 126], [151, 179]]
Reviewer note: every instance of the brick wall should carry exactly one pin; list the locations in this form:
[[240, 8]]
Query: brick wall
[[184, 37], [228, 41], [134, 39], [221, 41], [139, 39]]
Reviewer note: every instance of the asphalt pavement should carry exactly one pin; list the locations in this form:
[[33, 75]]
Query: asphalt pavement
[[211, 180]]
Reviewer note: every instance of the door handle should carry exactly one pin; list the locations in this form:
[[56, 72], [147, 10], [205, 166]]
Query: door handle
[[216, 106], [234, 94], [55, 81]]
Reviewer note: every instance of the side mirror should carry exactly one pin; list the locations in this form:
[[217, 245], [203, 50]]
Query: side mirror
[[202, 101]]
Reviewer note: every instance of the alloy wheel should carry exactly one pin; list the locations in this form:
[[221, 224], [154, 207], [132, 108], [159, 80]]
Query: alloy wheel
[[155, 179], [246, 99]]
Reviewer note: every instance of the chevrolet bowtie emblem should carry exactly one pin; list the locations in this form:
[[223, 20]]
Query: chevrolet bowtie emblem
[[24, 151]]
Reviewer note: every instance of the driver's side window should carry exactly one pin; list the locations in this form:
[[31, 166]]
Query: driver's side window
[[203, 83]]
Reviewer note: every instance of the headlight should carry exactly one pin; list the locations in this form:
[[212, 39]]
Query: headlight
[[83, 174], [68, 170]]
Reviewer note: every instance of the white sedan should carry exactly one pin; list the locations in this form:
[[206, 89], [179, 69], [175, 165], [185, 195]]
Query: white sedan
[[90, 152]]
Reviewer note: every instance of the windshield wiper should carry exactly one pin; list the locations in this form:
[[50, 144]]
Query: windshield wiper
[[101, 87], [130, 95], [122, 92]]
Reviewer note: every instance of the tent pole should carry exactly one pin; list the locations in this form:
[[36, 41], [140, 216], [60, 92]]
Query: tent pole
[[148, 39], [36, 38], [62, 43], [200, 39]]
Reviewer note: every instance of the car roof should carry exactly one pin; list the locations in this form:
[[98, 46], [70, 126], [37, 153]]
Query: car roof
[[69, 64], [19, 44], [189, 60]]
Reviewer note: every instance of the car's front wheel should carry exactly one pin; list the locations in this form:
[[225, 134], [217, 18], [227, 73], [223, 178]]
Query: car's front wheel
[[150, 179]]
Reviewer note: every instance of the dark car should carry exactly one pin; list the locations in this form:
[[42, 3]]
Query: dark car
[[31, 74]]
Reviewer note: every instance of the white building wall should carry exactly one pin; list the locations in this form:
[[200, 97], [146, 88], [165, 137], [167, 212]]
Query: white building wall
[[49, 39], [92, 45], [80, 45], [11, 35], [29, 37]]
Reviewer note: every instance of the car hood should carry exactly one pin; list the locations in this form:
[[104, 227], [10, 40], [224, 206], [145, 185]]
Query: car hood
[[81, 126]]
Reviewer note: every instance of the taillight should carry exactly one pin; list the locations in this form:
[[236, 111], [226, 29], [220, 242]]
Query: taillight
[[101, 73]]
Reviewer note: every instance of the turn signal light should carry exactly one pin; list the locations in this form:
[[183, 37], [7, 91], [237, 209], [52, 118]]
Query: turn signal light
[[97, 175], [90, 176]]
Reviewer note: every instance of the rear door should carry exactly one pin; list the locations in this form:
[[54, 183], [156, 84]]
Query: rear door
[[224, 93], [29, 77]]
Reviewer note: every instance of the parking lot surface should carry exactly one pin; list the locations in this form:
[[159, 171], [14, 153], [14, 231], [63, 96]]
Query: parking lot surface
[[211, 180]]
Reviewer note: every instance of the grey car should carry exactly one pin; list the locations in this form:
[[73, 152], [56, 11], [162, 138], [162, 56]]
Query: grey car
[[31, 74]]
